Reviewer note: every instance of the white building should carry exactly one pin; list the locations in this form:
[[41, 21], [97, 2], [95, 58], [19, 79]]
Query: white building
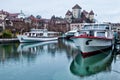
[[76, 10], [21, 15]]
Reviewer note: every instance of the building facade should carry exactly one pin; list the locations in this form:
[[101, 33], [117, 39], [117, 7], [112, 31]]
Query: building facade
[[78, 15], [76, 10], [76, 26]]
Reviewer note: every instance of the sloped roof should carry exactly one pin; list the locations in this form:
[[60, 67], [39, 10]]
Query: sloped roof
[[15, 19], [85, 12], [69, 13], [91, 12], [76, 7], [13, 15], [37, 20]]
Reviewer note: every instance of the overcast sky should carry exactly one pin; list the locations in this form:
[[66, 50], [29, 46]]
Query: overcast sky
[[105, 10]]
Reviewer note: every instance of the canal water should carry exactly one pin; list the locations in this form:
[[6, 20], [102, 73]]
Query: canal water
[[56, 60]]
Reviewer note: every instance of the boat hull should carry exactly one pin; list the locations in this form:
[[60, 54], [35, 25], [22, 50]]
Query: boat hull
[[24, 38], [88, 45]]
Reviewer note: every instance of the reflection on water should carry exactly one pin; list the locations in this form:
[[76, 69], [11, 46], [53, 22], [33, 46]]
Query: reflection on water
[[31, 50], [36, 61], [90, 65], [55, 60], [8, 51], [38, 48]]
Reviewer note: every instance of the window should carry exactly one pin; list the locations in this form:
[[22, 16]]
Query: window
[[101, 34]]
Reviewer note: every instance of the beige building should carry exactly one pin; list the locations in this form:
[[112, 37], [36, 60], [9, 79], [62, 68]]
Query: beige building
[[76, 26]]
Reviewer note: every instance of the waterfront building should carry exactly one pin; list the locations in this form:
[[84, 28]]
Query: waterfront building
[[77, 17], [69, 16], [19, 22], [76, 10], [8, 20], [76, 26], [58, 24]]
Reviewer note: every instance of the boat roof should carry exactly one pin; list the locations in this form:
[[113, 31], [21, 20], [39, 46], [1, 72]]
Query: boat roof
[[40, 30]]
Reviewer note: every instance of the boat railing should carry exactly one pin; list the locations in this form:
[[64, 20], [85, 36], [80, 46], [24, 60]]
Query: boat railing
[[38, 30]]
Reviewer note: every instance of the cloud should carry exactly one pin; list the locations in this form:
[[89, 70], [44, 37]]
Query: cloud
[[105, 9]]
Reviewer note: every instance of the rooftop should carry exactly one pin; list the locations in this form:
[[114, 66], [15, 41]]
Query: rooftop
[[91, 12], [76, 7], [69, 13]]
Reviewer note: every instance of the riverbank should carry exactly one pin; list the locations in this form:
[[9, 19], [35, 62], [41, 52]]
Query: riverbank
[[8, 40]]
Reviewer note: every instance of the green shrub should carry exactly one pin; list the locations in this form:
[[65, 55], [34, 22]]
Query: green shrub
[[7, 34]]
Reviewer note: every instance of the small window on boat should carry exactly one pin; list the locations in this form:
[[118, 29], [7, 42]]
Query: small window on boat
[[101, 34], [25, 33], [107, 28], [95, 27]]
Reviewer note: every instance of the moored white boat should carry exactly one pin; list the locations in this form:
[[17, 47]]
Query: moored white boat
[[70, 34], [38, 35], [94, 37]]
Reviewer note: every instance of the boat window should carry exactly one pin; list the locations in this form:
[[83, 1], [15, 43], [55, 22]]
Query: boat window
[[30, 34], [107, 27], [91, 33], [87, 27], [96, 26], [100, 34], [25, 33], [102, 27], [33, 33]]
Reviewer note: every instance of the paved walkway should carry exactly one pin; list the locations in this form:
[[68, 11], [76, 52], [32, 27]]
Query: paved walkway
[[7, 40]]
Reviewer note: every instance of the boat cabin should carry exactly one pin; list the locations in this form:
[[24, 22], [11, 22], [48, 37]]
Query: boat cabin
[[41, 33], [96, 30]]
